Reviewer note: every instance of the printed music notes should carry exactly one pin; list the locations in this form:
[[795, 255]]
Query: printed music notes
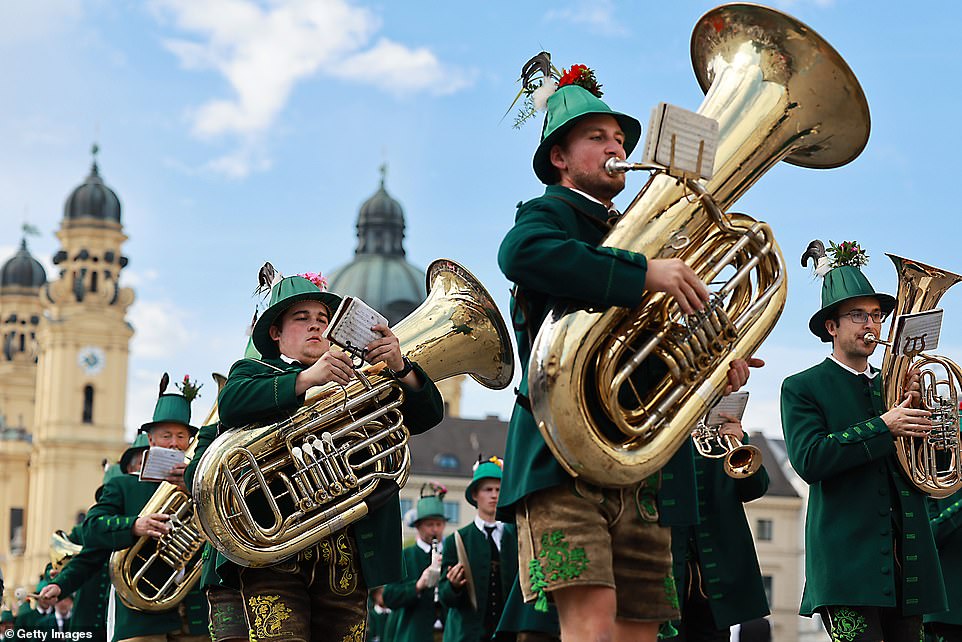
[[732, 405], [350, 327], [159, 462], [917, 332]]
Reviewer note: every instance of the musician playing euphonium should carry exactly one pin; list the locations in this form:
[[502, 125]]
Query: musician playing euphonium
[[871, 567], [321, 594], [114, 523], [577, 541]]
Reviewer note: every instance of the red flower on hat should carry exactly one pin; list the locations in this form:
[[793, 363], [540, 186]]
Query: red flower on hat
[[316, 278], [582, 76]]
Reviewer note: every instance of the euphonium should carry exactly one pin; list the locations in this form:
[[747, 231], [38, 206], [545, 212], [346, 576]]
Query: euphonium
[[156, 574], [741, 460], [62, 549], [931, 463], [778, 92], [345, 451]]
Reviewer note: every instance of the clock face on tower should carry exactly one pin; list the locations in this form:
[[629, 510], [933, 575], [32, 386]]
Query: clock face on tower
[[91, 359]]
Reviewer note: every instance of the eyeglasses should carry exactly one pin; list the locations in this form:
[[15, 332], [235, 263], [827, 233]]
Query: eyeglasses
[[859, 316]]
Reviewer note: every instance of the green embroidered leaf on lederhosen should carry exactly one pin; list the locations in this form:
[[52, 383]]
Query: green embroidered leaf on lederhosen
[[555, 562], [671, 591], [847, 625]]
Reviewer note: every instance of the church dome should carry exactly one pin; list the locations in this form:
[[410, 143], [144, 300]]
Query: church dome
[[93, 199], [379, 273], [22, 270]]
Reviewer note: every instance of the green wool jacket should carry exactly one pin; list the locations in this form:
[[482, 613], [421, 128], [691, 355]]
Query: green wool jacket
[[722, 544], [464, 624], [109, 527], [552, 255], [208, 574], [412, 614], [838, 443], [262, 391], [87, 578], [945, 515]]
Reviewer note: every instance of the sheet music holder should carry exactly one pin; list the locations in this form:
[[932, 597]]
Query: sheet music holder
[[732, 405], [682, 141], [159, 462], [917, 332], [350, 326]]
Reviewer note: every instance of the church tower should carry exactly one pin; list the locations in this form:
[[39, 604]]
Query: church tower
[[83, 348]]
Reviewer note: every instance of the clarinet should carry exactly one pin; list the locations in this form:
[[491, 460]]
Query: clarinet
[[435, 559]]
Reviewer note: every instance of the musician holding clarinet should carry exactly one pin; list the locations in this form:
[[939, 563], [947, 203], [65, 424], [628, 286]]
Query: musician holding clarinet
[[321, 592], [578, 541], [871, 566]]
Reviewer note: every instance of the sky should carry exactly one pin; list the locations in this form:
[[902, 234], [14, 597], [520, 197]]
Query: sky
[[241, 131]]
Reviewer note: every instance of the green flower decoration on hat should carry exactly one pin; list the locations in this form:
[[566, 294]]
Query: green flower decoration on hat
[[285, 293], [568, 97], [489, 469], [843, 280], [174, 408], [432, 505]]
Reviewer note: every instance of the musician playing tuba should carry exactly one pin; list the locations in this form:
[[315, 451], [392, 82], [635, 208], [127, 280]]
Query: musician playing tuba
[[321, 593], [871, 566], [552, 254], [114, 522]]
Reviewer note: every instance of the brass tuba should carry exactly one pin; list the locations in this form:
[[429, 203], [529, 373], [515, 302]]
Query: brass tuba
[[156, 574], [346, 449], [778, 92], [62, 549], [931, 463]]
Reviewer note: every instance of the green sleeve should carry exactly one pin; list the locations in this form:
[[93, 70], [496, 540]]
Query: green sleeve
[[818, 451], [945, 521], [82, 567], [106, 524], [404, 593], [256, 392], [753, 487], [542, 254], [423, 409], [205, 436], [450, 597]]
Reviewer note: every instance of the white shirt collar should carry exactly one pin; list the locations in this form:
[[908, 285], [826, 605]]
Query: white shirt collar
[[868, 369], [496, 534], [592, 198], [424, 546], [288, 360]]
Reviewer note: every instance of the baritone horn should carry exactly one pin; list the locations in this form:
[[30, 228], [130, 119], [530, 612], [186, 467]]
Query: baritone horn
[[931, 463], [274, 490], [156, 574], [778, 91]]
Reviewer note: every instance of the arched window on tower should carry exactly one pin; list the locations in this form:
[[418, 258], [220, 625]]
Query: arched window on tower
[[88, 416], [93, 281]]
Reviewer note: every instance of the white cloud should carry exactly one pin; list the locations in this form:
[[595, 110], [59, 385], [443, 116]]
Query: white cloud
[[160, 329], [598, 16], [264, 49]]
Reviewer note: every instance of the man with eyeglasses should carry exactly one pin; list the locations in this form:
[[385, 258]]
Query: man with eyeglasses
[[871, 566]]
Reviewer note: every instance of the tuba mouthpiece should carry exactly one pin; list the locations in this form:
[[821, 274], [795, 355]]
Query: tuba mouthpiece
[[617, 166]]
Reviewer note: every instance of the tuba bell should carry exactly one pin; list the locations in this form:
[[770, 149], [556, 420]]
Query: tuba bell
[[779, 92], [346, 450], [62, 549], [931, 463], [156, 574]]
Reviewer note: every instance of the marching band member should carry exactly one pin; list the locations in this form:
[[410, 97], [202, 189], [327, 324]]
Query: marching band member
[[114, 523], [492, 550], [576, 543], [321, 594], [414, 602], [871, 566], [715, 565]]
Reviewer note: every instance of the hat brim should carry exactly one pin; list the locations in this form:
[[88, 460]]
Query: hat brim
[[817, 323], [261, 335], [147, 426], [128, 455], [543, 168]]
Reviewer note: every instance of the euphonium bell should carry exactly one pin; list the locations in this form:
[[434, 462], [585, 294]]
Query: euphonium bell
[[931, 463], [779, 92], [156, 574], [345, 450], [62, 549]]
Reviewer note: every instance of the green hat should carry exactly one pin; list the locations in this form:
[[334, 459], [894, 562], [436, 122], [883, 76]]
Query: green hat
[[141, 443], [566, 107], [172, 407], [490, 469], [841, 284], [431, 506], [6, 616], [284, 294]]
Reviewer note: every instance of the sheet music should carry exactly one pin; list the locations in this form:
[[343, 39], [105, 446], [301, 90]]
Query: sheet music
[[690, 129], [917, 332], [351, 325], [733, 405], [159, 462]]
